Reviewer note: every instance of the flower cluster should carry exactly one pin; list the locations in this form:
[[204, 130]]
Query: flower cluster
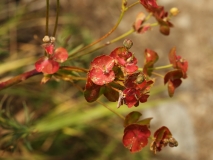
[[137, 89], [117, 74], [173, 78], [162, 137], [136, 134], [49, 64], [160, 15]]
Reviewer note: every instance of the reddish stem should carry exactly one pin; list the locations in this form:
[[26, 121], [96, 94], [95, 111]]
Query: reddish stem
[[18, 79]]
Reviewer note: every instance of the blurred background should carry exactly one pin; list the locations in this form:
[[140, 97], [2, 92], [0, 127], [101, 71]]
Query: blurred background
[[66, 127]]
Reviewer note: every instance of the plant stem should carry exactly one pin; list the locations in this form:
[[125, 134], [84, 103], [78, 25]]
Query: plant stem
[[119, 115], [161, 67], [122, 36], [18, 79], [157, 68], [69, 77], [56, 20], [132, 5], [47, 17], [157, 74], [73, 68], [106, 44], [106, 35]]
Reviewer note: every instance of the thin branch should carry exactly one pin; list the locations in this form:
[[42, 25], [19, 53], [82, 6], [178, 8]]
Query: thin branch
[[18, 79], [106, 35], [47, 17], [157, 74], [106, 44], [118, 114], [56, 20]]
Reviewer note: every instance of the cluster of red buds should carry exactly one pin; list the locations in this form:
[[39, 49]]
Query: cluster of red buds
[[49, 63]]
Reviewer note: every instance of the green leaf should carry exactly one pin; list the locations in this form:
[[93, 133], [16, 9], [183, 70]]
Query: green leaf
[[131, 118], [145, 121]]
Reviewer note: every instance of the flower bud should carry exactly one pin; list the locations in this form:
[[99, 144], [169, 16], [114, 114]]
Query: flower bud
[[140, 79], [46, 39], [174, 11], [52, 39], [127, 43]]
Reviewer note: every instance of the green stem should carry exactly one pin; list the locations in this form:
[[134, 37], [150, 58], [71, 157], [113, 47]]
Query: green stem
[[106, 44], [122, 36], [158, 68], [106, 35], [157, 74], [154, 24], [47, 17], [56, 20], [119, 115], [162, 67], [73, 68], [70, 78], [132, 5]]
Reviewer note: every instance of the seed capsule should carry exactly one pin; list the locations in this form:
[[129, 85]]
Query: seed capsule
[[127, 43], [140, 78]]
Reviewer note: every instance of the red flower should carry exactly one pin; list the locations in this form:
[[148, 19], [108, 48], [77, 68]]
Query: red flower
[[46, 65], [125, 59], [162, 18], [101, 70], [162, 137], [49, 64], [150, 5], [173, 78], [136, 137], [92, 90], [150, 58], [137, 89], [100, 73], [178, 62], [139, 26]]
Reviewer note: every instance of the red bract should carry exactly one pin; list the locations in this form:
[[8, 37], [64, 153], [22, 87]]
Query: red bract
[[136, 137], [49, 48], [60, 55], [125, 60], [49, 64], [173, 78], [178, 62], [131, 97], [150, 5], [162, 18], [92, 91], [46, 65], [150, 58], [101, 70], [138, 24], [162, 137], [137, 89]]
